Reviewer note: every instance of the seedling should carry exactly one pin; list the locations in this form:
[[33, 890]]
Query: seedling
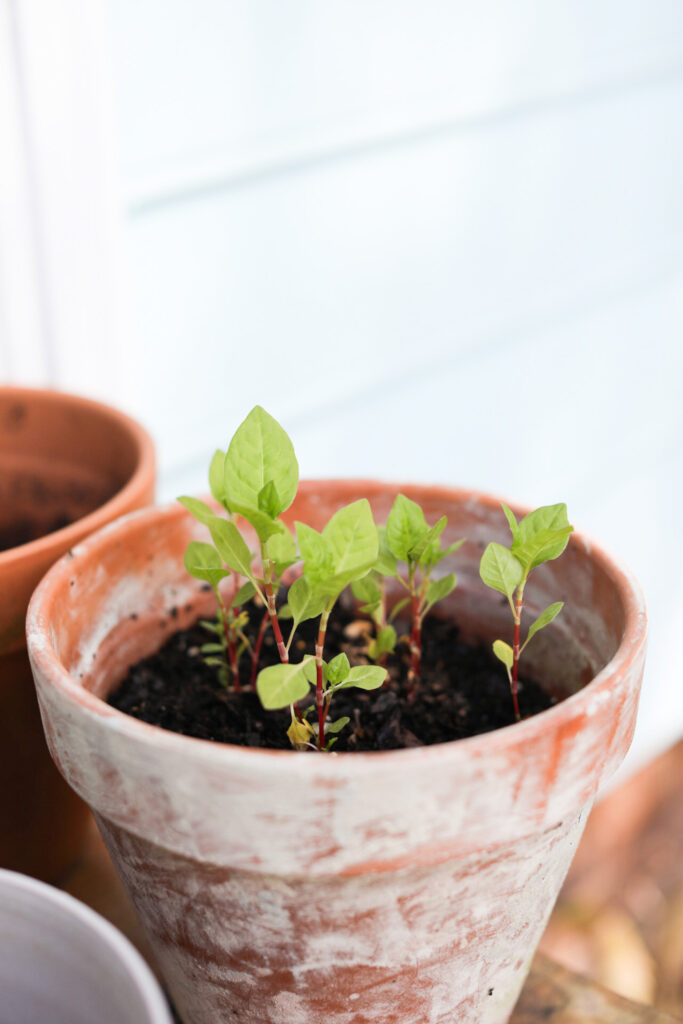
[[372, 592], [540, 537], [411, 540]]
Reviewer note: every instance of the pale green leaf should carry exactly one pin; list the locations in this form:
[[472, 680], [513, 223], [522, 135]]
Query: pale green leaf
[[384, 643], [260, 453], [216, 473], [244, 594], [316, 553], [199, 509], [503, 652], [365, 677], [351, 536], [269, 500], [231, 546], [337, 726], [312, 671], [366, 590], [406, 524], [305, 602], [428, 540], [281, 548], [439, 589], [500, 569], [512, 522], [338, 669], [544, 619], [204, 563], [281, 685], [541, 546]]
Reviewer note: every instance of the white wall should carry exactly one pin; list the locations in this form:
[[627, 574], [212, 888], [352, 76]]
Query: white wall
[[437, 240]]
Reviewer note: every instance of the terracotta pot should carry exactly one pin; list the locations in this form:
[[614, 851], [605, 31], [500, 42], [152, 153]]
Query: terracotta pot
[[62, 459], [406, 886], [61, 962]]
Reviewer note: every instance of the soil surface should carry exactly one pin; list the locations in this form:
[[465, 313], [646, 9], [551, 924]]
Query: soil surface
[[463, 690], [25, 530]]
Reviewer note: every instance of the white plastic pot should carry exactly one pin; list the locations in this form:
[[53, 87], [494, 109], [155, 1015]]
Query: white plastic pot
[[61, 963]]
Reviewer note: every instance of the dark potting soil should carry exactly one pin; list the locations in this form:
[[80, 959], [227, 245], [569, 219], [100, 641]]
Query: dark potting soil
[[24, 530], [463, 691]]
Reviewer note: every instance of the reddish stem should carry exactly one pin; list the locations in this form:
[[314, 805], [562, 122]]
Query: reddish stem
[[515, 657], [272, 612], [257, 649], [232, 650], [415, 644], [319, 695]]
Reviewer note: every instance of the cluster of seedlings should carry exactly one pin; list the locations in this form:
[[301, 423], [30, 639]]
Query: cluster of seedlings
[[257, 479]]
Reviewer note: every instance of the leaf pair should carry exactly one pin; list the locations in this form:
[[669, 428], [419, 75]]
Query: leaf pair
[[345, 551], [410, 539], [279, 686]]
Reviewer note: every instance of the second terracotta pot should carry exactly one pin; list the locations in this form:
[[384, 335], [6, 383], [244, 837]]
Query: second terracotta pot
[[67, 467], [405, 887]]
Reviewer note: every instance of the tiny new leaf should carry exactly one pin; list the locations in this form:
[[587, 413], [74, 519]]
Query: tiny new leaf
[[338, 669], [406, 525], [503, 652], [544, 619], [500, 569]]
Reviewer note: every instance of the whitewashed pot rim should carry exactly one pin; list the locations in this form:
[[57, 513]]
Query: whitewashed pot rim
[[43, 654], [139, 973]]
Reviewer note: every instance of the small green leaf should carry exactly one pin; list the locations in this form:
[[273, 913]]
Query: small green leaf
[[428, 540], [500, 569], [503, 652], [316, 553], [216, 473], [285, 613], [406, 524], [281, 548], [351, 537], [452, 548], [281, 685], [211, 649], [269, 500], [439, 589], [312, 671], [386, 563], [366, 590], [398, 607], [244, 594], [304, 601], [384, 643], [544, 619], [338, 669], [512, 522], [198, 508], [213, 627], [333, 727], [260, 453], [204, 563], [365, 677], [231, 546], [541, 547]]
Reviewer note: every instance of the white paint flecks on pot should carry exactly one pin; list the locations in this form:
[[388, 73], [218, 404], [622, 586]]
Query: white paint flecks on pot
[[60, 962], [407, 886]]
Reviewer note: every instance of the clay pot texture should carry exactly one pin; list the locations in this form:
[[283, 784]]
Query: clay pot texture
[[61, 458], [61, 962], [276, 887]]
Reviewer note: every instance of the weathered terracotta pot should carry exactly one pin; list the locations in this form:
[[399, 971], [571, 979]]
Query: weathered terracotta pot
[[62, 459], [406, 886]]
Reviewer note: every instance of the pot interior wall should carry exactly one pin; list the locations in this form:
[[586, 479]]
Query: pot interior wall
[[59, 461], [139, 595]]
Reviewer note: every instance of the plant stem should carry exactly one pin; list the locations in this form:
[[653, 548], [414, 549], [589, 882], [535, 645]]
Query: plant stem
[[515, 648], [272, 612], [257, 648], [319, 694], [415, 637], [230, 645]]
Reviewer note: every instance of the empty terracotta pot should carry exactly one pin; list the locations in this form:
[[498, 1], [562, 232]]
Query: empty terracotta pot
[[405, 887], [67, 467]]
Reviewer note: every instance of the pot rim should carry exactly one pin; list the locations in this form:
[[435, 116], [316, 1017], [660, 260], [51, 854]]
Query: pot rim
[[138, 971], [113, 508], [42, 652]]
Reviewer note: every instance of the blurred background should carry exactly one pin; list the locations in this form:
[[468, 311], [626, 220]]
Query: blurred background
[[439, 241]]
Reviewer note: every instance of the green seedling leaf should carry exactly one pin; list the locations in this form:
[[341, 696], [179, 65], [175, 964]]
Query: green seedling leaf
[[199, 509], [216, 474], [338, 669], [278, 686], [211, 649], [500, 569], [244, 594], [512, 522], [285, 613], [269, 500], [316, 553], [332, 727], [204, 563], [503, 652], [351, 537], [365, 677], [304, 601], [452, 548], [366, 590], [212, 627], [384, 643], [541, 547], [231, 546], [544, 619], [259, 454], [439, 589], [398, 607], [406, 525], [428, 541], [281, 548], [386, 563]]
